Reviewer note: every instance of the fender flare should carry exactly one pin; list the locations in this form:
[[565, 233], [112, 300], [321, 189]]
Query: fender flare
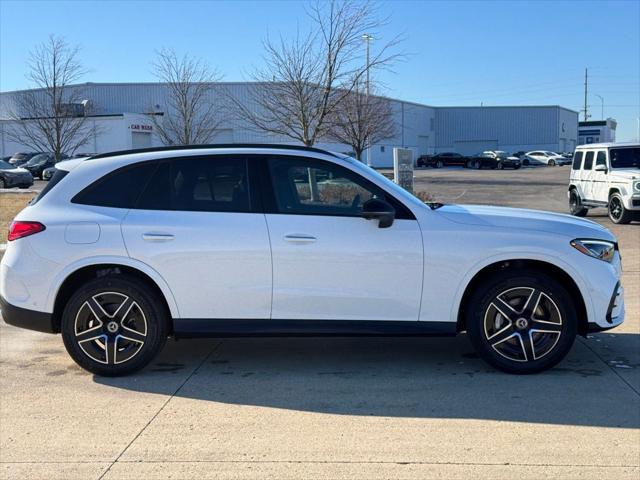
[[514, 256], [63, 274]]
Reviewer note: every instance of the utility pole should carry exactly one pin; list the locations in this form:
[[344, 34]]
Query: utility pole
[[367, 38], [586, 88]]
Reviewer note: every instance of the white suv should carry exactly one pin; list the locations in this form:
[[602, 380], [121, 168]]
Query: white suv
[[606, 175], [121, 250]]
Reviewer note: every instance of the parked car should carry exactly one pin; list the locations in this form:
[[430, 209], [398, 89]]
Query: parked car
[[39, 162], [443, 159], [606, 175], [480, 160], [17, 159], [542, 157], [502, 159], [11, 176], [205, 241]]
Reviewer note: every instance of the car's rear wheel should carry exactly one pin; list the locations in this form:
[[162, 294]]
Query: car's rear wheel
[[2, 183], [438, 164], [499, 166], [525, 162], [522, 322], [617, 212], [114, 325], [575, 204]]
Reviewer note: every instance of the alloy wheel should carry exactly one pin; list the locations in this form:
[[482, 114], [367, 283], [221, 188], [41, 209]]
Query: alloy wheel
[[110, 328], [615, 208], [523, 324]]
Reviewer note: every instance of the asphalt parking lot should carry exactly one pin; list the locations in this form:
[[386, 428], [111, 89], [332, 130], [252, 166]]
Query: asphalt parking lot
[[337, 408]]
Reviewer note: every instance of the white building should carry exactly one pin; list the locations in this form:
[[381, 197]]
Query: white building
[[597, 131], [120, 112]]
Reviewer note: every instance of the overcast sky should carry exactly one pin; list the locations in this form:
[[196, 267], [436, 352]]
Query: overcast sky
[[461, 52]]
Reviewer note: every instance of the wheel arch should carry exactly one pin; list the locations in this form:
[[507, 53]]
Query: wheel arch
[[520, 264], [613, 190], [82, 273]]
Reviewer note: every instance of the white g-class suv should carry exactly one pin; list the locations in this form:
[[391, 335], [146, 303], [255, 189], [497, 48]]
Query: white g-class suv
[[606, 175], [122, 250]]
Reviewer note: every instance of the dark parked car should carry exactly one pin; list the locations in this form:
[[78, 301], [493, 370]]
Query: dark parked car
[[440, 160], [11, 176], [40, 162], [20, 158], [502, 159]]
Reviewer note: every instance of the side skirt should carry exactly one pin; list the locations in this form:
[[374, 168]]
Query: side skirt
[[203, 327]]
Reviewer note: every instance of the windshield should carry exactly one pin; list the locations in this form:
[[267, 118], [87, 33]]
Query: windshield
[[5, 166], [41, 158], [625, 157]]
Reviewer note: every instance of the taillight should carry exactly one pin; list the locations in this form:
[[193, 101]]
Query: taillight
[[20, 229]]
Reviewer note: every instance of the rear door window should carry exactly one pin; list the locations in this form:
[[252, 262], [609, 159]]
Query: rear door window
[[588, 161], [601, 158], [209, 184]]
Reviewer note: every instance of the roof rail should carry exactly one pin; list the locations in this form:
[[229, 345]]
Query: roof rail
[[212, 146]]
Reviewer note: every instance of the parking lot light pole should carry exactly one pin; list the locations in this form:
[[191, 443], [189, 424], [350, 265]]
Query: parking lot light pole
[[367, 38]]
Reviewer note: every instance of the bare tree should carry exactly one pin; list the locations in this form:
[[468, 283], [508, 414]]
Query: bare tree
[[190, 116], [304, 80], [361, 120], [52, 117]]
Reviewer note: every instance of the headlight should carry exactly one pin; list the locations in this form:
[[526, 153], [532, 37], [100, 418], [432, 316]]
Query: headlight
[[600, 249], [636, 186]]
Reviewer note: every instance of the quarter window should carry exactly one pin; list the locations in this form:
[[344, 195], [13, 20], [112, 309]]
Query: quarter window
[[577, 160], [588, 161], [119, 189]]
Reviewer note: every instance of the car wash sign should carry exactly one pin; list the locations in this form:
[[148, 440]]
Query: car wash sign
[[403, 168], [141, 127]]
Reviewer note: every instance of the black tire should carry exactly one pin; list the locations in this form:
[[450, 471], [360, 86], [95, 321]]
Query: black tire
[[575, 204], [501, 341], [500, 166], [2, 183], [551, 163], [438, 164], [617, 212], [139, 333], [525, 162]]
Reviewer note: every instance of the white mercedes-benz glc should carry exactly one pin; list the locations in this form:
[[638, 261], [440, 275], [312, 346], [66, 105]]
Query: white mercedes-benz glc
[[122, 250]]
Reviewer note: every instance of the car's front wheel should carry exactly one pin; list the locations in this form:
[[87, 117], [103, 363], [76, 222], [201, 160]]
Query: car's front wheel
[[522, 321], [552, 163], [114, 325]]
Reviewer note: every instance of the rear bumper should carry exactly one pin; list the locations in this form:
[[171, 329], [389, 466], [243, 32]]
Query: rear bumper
[[24, 318]]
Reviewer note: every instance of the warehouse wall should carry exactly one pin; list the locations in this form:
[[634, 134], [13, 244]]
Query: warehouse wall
[[473, 129]]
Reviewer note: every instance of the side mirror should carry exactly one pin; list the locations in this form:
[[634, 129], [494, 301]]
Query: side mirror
[[600, 168], [377, 209]]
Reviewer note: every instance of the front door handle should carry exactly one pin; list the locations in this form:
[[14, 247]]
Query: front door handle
[[157, 237], [300, 238]]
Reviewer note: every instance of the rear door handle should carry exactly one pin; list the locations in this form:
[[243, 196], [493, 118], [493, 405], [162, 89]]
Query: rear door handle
[[300, 238], [157, 237]]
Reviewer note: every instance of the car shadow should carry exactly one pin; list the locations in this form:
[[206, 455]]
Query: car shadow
[[400, 377]]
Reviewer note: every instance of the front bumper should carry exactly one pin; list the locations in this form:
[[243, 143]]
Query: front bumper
[[24, 318]]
